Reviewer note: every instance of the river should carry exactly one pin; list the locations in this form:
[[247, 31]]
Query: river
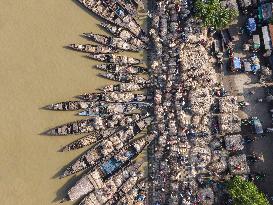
[[35, 70]]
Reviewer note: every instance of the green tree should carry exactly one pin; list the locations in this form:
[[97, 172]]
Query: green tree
[[244, 192], [213, 14]]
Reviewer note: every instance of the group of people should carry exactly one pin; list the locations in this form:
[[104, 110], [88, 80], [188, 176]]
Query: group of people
[[184, 79]]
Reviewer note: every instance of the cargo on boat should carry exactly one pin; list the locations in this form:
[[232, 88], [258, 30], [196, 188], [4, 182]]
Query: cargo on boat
[[116, 43], [116, 68], [125, 87], [95, 179], [96, 49], [108, 194], [111, 58], [124, 34], [111, 145], [115, 97], [101, 173], [116, 15], [137, 195], [77, 127], [123, 77], [110, 109], [69, 105], [128, 5], [103, 127]]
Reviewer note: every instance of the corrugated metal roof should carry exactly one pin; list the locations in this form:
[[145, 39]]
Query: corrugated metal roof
[[270, 28]]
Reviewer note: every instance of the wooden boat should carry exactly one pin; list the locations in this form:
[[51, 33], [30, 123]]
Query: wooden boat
[[115, 16], [110, 125], [129, 192], [111, 58], [125, 87], [123, 77], [137, 196], [77, 127], [124, 34], [117, 43], [69, 105], [110, 146], [88, 125], [128, 19], [88, 48], [111, 190], [116, 68], [128, 5], [138, 2], [115, 97], [102, 10], [96, 179], [110, 109]]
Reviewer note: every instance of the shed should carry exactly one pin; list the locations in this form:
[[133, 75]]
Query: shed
[[270, 28], [265, 11], [266, 38], [257, 125], [256, 41], [247, 66], [237, 63]]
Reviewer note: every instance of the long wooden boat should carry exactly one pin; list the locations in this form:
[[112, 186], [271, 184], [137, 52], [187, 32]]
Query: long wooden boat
[[102, 10], [96, 179], [117, 43], [110, 126], [107, 169], [109, 191], [125, 87], [137, 196], [110, 109], [129, 192], [115, 97], [116, 68], [128, 19], [69, 105], [89, 125], [124, 34], [109, 146], [128, 5], [123, 77], [113, 15], [111, 58], [77, 127], [96, 49]]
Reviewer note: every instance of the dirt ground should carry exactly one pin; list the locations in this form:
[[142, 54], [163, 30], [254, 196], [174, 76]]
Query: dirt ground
[[241, 84]]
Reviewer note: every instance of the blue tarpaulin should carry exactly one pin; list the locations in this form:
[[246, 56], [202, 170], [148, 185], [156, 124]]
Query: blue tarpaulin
[[237, 63], [255, 67], [110, 166], [251, 25]]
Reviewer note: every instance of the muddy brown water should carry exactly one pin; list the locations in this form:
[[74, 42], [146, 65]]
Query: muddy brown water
[[35, 70]]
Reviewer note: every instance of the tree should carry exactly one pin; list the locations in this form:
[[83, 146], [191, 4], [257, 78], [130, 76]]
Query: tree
[[213, 14], [244, 192]]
